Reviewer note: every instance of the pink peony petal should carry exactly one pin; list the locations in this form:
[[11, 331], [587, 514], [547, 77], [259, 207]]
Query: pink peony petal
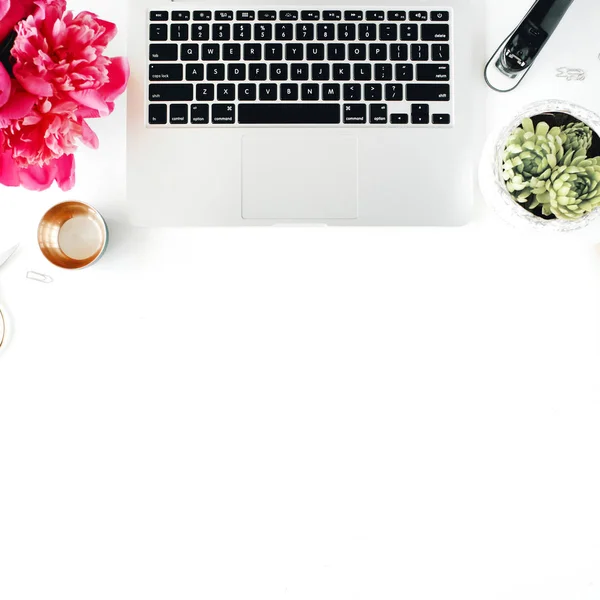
[[90, 113], [88, 137], [18, 107], [91, 99], [4, 6], [14, 11], [9, 172], [5, 86], [34, 85], [118, 76], [65, 172], [37, 178]]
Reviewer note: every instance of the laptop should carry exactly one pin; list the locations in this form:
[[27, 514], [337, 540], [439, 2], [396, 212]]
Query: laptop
[[250, 114]]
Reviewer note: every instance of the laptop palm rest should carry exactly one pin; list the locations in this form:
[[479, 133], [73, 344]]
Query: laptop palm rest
[[298, 176]]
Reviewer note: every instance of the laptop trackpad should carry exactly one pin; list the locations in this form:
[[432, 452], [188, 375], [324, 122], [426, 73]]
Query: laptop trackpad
[[301, 175]]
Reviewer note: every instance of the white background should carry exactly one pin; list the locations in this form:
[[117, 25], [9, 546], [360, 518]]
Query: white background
[[305, 413]]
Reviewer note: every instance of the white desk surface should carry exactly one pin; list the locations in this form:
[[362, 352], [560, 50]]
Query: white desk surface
[[305, 413]]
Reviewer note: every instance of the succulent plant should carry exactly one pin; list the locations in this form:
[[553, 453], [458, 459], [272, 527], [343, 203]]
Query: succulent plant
[[530, 156], [573, 188], [579, 137]]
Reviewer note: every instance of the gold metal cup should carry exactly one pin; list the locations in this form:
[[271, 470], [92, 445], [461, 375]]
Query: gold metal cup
[[49, 231]]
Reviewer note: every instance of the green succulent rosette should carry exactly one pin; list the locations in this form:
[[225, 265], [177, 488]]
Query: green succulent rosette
[[530, 155], [573, 188], [579, 137]]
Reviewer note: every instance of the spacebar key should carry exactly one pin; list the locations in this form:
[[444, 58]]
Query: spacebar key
[[288, 114]]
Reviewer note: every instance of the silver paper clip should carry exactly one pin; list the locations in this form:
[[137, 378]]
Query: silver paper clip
[[571, 74], [34, 276]]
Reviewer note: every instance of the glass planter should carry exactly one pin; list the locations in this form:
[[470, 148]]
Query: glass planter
[[490, 169]]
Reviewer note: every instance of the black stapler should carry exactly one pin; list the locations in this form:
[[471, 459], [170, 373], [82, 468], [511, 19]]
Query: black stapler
[[515, 56]]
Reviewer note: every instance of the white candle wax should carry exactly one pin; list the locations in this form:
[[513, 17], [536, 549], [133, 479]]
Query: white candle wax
[[79, 238]]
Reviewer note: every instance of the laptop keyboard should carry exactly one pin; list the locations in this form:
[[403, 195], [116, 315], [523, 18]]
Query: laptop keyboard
[[283, 67]]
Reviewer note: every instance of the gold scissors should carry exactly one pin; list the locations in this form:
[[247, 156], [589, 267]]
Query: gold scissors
[[3, 323]]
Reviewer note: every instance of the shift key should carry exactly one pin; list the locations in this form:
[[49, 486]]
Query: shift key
[[171, 92], [416, 92]]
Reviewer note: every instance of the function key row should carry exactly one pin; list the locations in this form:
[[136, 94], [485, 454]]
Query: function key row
[[304, 15]]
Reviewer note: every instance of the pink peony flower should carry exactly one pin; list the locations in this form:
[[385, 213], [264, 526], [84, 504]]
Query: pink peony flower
[[13, 11]]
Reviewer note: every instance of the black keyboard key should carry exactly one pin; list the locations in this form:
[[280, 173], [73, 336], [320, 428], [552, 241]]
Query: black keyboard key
[[362, 72], [409, 31], [278, 72], [315, 52], [367, 31], [289, 114], [257, 72], [383, 72], [325, 31], [194, 72], [236, 72], [355, 113], [441, 119], [353, 15], [263, 31], [336, 52], [159, 15], [223, 114], [166, 72], [396, 15], [320, 72], [202, 15], [388, 32], [299, 72], [284, 31], [305, 32], [352, 91], [347, 32], [288, 15], [378, 114], [440, 15], [267, 91], [267, 15], [273, 51], [221, 32], [310, 15], [399, 51], [373, 91], [178, 114], [405, 72], [418, 15], [180, 32], [423, 92], [247, 91], [242, 31], [435, 33], [310, 91], [190, 52], [332, 15], [180, 15], [440, 52], [199, 114], [215, 72], [331, 91], [399, 119], [245, 15], [393, 92], [377, 51], [433, 72], [252, 51], [232, 52], [341, 72], [288, 92], [171, 92], [226, 91], [294, 52], [200, 31], [223, 15], [357, 52], [419, 52], [420, 114], [159, 32], [375, 15], [205, 92], [211, 51], [157, 114]]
